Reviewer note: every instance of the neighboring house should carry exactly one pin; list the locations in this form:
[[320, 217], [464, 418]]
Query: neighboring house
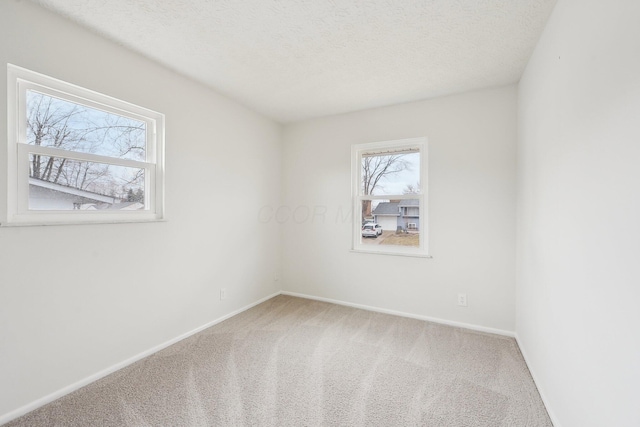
[[386, 214], [48, 196], [409, 214], [400, 213]]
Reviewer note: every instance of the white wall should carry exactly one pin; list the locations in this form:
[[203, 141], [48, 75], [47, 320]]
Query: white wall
[[472, 152], [579, 213], [78, 299]]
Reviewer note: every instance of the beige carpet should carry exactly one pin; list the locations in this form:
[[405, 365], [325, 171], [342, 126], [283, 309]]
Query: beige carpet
[[297, 362]]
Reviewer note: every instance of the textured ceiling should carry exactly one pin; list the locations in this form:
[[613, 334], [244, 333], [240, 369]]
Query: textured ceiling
[[297, 59]]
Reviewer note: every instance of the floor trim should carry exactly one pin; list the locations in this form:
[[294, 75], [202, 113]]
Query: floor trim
[[403, 314], [16, 413]]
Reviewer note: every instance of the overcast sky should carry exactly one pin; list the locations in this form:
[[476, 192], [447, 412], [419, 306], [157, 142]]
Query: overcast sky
[[397, 183]]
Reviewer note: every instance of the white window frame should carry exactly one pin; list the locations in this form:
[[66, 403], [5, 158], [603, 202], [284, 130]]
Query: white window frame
[[357, 151], [17, 191]]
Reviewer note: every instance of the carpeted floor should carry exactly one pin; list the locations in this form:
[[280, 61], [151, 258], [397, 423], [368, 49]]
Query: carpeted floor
[[296, 362]]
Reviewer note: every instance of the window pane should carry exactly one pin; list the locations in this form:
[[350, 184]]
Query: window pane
[[57, 183], [53, 122], [390, 174], [391, 222]]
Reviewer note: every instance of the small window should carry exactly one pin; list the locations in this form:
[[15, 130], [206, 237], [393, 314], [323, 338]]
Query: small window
[[389, 189], [78, 156]]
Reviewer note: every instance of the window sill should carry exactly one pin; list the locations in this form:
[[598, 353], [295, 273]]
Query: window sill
[[392, 253], [47, 224]]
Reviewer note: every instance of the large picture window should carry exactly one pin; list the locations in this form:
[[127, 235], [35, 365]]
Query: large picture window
[[389, 197], [76, 156]]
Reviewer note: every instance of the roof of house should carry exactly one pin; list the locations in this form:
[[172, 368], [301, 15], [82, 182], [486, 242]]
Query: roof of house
[[409, 202], [71, 190], [387, 208], [123, 206]]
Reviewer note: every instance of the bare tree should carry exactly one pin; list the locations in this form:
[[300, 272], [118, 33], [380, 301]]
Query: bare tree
[[374, 169], [412, 189], [56, 123], [48, 126]]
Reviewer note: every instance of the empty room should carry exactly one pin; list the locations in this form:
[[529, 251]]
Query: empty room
[[320, 213]]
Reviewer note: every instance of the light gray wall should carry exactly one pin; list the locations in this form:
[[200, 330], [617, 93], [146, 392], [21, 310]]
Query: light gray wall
[[75, 300], [471, 192], [579, 213]]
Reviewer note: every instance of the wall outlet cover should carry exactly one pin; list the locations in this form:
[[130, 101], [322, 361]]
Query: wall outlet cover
[[462, 300]]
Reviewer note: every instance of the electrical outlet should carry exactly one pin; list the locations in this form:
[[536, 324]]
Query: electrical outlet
[[462, 300], [223, 293]]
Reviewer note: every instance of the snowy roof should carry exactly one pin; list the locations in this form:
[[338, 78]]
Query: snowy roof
[[71, 190]]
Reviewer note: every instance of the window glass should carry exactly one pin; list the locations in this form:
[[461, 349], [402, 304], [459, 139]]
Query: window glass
[[396, 220], [385, 174], [58, 123], [58, 183]]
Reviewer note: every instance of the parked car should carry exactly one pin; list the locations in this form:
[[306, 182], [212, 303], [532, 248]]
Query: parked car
[[371, 230], [378, 227]]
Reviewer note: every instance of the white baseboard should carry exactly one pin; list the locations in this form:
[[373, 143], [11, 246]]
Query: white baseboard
[[403, 314], [88, 380], [545, 401], [91, 378]]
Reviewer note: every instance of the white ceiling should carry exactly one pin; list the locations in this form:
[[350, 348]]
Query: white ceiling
[[296, 59]]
